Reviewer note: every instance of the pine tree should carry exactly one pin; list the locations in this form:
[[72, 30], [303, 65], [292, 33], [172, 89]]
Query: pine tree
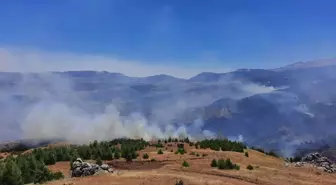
[[42, 174], [11, 174], [214, 163], [2, 167], [99, 161], [117, 155]]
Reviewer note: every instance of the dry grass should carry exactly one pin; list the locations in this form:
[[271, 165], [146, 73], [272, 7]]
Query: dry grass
[[268, 170]]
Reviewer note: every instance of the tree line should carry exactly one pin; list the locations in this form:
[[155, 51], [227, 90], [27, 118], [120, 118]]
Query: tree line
[[221, 144], [31, 166]]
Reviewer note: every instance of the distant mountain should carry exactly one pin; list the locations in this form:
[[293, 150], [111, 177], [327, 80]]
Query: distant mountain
[[271, 108], [309, 64]]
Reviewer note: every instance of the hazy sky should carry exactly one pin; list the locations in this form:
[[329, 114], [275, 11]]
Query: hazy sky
[[178, 37]]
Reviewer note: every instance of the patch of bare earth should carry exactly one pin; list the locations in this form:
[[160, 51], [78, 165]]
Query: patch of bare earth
[[167, 169]]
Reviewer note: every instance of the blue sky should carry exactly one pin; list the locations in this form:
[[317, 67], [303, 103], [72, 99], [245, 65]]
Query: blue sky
[[202, 34]]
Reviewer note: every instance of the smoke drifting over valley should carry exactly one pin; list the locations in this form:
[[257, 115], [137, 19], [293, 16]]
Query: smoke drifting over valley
[[47, 106], [273, 109]]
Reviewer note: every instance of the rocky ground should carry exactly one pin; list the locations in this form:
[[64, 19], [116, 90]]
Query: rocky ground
[[82, 169], [318, 161]]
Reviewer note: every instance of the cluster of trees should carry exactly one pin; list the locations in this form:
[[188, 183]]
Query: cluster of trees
[[31, 167], [224, 164], [175, 140], [25, 169], [270, 153], [222, 144]]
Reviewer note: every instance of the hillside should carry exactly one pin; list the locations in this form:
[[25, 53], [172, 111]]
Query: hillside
[[167, 169]]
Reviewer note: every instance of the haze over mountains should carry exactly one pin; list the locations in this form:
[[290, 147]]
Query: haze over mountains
[[275, 109]]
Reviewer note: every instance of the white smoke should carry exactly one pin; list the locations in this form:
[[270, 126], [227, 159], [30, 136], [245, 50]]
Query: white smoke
[[59, 112]]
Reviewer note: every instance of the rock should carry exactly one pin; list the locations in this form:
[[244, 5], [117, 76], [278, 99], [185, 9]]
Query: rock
[[86, 165], [318, 161], [321, 168], [100, 172], [105, 166], [110, 170], [76, 164], [81, 169], [79, 160], [76, 172]]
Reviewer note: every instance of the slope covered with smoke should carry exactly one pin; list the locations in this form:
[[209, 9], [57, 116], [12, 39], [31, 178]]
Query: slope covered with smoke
[[271, 109], [95, 105]]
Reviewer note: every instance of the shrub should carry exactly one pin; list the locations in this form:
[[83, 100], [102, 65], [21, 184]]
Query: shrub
[[153, 160], [176, 152], [180, 182], [204, 155], [145, 156], [227, 165], [58, 175], [214, 163], [192, 153], [160, 151], [197, 155], [196, 145], [159, 145], [246, 154], [249, 167], [181, 151], [185, 164], [99, 161], [272, 153], [117, 155], [171, 150]]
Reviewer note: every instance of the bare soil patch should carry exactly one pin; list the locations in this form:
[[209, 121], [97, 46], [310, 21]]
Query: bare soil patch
[[137, 165]]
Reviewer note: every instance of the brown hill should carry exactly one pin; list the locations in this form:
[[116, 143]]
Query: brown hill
[[167, 170]]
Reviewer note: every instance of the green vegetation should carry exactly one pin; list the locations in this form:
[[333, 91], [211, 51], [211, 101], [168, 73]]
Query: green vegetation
[[159, 145], [31, 167], [185, 164], [160, 151], [99, 161], [222, 144], [180, 151], [249, 167], [192, 153], [25, 169], [214, 163], [224, 164], [270, 153], [145, 156], [246, 154]]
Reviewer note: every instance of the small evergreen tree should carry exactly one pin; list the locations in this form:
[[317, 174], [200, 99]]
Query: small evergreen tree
[[160, 151], [11, 174], [214, 163], [117, 155], [99, 161], [246, 154], [185, 164], [249, 167], [145, 156]]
